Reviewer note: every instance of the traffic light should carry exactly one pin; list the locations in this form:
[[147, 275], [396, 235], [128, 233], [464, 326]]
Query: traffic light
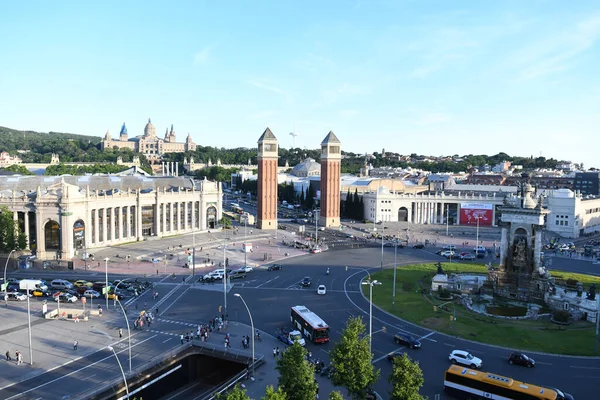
[[435, 308]]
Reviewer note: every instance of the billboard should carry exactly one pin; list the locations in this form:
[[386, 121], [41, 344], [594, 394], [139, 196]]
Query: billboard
[[470, 213]]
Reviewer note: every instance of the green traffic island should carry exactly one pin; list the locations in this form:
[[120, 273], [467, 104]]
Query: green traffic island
[[416, 303]]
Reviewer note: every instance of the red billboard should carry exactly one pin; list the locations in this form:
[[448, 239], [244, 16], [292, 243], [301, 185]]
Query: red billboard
[[470, 213]]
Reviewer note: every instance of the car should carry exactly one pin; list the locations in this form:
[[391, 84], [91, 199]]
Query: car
[[111, 296], [388, 244], [521, 359], [465, 358], [349, 235], [82, 282], [65, 298], [395, 354], [247, 268], [274, 267], [449, 247], [479, 249], [306, 281], [239, 274], [316, 250], [447, 253], [16, 296], [419, 246], [322, 228], [40, 293], [407, 340], [91, 294], [321, 289], [467, 256], [61, 284]]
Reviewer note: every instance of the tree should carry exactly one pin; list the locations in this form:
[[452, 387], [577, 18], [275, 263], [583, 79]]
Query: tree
[[225, 222], [296, 374], [237, 393], [11, 235], [351, 359], [406, 379], [335, 395], [272, 394]]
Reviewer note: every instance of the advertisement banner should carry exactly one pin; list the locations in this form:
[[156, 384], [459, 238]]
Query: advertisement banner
[[470, 213]]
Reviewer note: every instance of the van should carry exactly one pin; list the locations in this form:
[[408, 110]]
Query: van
[[237, 274], [33, 284], [61, 284]]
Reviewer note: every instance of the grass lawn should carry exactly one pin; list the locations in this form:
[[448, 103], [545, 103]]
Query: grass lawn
[[411, 305]]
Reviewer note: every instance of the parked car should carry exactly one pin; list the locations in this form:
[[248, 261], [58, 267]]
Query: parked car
[[419, 246], [91, 294], [465, 358], [16, 296], [306, 281], [407, 340], [274, 267], [321, 290], [521, 359]]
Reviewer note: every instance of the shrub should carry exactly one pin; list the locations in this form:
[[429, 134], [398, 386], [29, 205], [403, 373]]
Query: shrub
[[444, 293], [560, 315], [572, 282]]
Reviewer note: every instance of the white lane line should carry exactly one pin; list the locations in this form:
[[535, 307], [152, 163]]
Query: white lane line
[[379, 359], [264, 283], [539, 362], [426, 336], [175, 301], [165, 341], [578, 367], [448, 344], [79, 370]]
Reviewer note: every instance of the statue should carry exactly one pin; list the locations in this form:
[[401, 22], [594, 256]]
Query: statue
[[439, 268], [519, 252], [592, 293]]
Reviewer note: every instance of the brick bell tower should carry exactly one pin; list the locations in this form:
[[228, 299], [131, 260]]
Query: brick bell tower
[[266, 207], [331, 159]]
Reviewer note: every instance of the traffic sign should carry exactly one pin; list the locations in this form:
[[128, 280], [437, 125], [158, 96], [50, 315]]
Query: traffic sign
[[84, 300], [104, 290]]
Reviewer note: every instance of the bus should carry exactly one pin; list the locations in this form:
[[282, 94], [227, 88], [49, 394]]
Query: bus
[[310, 324], [469, 384], [236, 208]]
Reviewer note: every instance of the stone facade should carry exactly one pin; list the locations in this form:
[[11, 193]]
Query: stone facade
[[68, 215], [149, 144]]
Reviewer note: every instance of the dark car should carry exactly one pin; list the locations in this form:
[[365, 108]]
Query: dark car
[[521, 359], [419, 246], [274, 267], [407, 340], [306, 282], [392, 356]]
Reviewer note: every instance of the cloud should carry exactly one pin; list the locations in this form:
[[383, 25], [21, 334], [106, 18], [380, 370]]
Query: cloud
[[559, 52], [202, 57]]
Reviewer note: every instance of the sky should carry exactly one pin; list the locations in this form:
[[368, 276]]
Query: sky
[[426, 77]]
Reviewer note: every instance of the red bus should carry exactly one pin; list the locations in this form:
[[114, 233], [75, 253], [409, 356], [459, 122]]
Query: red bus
[[310, 324]]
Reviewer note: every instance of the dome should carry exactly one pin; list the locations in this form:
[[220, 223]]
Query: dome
[[308, 167], [383, 190], [149, 130]]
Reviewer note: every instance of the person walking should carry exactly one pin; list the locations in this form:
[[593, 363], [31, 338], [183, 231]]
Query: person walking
[[181, 337], [277, 351], [19, 358], [156, 311], [75, 345], [274, 352], [8, 358], [120, 333]]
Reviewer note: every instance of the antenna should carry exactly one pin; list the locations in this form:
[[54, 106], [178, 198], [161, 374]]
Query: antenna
[[293, 135]]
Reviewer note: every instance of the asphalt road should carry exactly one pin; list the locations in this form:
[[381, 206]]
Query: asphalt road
[[270, 294]]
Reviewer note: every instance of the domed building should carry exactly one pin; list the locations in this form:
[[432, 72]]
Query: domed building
[[306, 168], [149, 144]]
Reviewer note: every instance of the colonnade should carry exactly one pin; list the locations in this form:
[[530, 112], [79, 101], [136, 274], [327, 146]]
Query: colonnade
[[429, 212]]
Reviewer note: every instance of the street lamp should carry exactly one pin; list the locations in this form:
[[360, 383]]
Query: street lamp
[[395, 267], [225, 275], [126, 319], [447, 217], [382, 232], [5, 283], [477, 238], [251, 327], [245, 244], [316, 229], [121, 368], [106, 276], [371, 283]]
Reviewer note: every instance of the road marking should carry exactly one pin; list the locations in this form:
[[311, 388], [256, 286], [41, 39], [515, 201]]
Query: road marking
[[448, 344], [578, 367], [264, 283], [175, 301], [543, 363], [380, 358], [165, 341], [73, 372]]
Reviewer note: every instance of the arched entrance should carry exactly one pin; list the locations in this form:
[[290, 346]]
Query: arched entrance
[[211, 217], [402, 214], [52, 236], [79, 235]]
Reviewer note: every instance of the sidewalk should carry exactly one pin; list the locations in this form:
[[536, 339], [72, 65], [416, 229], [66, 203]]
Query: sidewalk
[[266, 374]]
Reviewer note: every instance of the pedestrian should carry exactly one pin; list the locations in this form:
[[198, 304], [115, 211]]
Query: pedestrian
[[156, 271], [8, 358], [100, 311], [19, 358], [75, 345], [120, 333], [274, 352], [277, 351], [181, 337], [156, 311]]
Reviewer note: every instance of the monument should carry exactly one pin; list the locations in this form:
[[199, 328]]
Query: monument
[[521, 274]]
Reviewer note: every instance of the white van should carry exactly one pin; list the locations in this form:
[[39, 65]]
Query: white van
[[32, 284], [61, 284]]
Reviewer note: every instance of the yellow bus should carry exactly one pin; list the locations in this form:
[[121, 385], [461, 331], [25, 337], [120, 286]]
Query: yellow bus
[[469, 384]]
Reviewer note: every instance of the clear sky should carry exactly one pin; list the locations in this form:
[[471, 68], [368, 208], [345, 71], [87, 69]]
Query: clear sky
[[428, 77]]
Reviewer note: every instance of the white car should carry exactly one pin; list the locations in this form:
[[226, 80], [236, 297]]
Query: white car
[[91, 294], [479, 249], [16, 296], [465, 358], [246, 269], [447, 253], [321, 289]]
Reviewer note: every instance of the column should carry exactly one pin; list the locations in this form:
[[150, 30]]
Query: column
[[442, 206], [128, 222], [104, 225], [40, 238], [537, 247], [185, 213], [164, 218], [156, 221], [171, 217], [119, 221], [111, 224], [194, 215], [503, 246], [138, 219], [26, 223]]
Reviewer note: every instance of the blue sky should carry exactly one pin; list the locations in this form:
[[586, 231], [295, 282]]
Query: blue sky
[[427, 77]]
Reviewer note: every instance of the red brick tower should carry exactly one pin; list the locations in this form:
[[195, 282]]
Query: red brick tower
[[266, 208], [331, 159]]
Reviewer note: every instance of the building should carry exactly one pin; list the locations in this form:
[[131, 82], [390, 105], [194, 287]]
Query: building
[[571, 214], [266, 205], [587, 183], [331, 159], [149, 144], [7, 160], [66, 216], [308, 167]]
